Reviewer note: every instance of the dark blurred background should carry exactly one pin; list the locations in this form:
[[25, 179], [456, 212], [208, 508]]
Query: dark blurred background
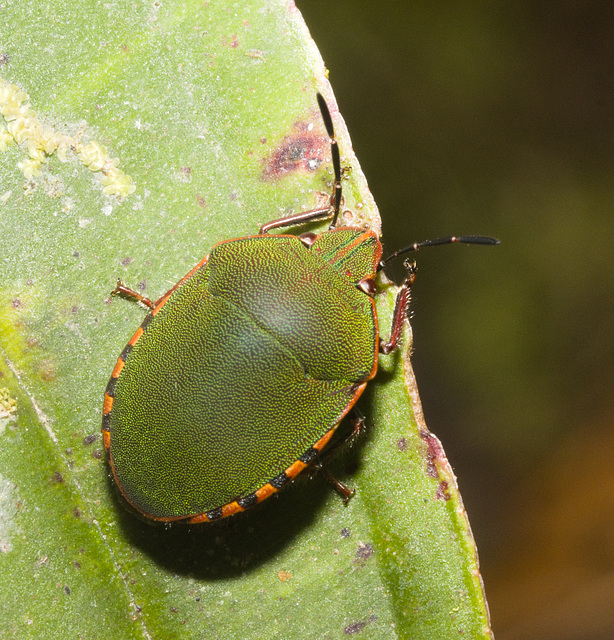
[[498, 118]]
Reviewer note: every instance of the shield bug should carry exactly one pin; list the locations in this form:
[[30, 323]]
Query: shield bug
[[240, 374]]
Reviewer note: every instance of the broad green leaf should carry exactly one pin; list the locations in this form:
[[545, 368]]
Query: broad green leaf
[[210, 109]]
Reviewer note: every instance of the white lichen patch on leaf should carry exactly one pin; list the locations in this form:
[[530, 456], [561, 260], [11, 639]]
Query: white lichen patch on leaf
[[8, 409], [24, 128], [8, 404], [8, 511]]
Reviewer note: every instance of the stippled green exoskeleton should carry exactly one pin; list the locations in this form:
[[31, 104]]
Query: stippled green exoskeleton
[[239, 375]]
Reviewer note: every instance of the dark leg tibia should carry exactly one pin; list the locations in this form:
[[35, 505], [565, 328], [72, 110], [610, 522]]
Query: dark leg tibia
[[122, 290], [342, 489], [358, 423], [298, 218], [400, 311]]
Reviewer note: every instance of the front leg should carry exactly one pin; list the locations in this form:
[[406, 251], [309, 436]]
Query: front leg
[[400, 310]]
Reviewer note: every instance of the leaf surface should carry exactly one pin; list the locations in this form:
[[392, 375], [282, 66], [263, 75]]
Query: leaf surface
[[212, 115]]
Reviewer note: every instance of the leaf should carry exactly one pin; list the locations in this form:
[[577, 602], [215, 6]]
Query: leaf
[[211, 112]]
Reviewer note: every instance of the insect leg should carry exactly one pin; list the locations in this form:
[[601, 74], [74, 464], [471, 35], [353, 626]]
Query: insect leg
[[357, 421], [125, 292], [400, 310]]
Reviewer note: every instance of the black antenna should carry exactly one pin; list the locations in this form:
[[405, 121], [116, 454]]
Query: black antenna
[[436, 241], [335, 199]]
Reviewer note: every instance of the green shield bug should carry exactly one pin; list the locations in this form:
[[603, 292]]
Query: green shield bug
[[239, 375]]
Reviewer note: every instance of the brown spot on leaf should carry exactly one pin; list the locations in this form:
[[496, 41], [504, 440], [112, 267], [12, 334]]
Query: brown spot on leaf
[[442, 492], [356, 627], [46, 370], [364, 552], [232, 42], [435, 459], [305, 149], [434, 452]]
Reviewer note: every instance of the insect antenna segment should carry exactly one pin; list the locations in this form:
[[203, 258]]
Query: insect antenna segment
[[437, 241], [335, 199]]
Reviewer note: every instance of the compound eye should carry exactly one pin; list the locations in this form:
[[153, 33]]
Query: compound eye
[[308, 238], [368, 286]]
